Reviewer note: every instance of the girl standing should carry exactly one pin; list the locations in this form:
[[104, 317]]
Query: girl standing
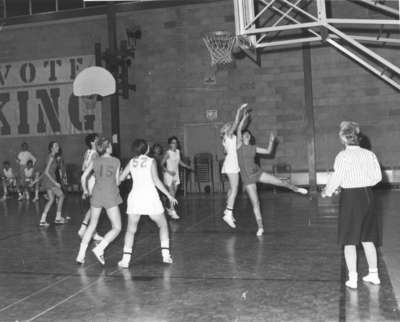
[[52, 187], [144, 200], [172, 161], [251, 173], [90, 155], [356, 171], [105, 195], [231, 165]]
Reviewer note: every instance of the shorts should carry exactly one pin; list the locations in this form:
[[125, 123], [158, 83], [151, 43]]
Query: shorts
[[252, 178], [171, 180]]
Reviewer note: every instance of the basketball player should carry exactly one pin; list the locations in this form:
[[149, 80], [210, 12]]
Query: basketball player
[[231, 165], [105, 195], [251, 173], [144, 200], [52, 187], [172, 161], [90, 155]]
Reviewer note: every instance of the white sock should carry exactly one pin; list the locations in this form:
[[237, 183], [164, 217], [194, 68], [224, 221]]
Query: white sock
[[58, 215], [127, 254], [83, 247], [101, 246], [165, 248], [353, 276]]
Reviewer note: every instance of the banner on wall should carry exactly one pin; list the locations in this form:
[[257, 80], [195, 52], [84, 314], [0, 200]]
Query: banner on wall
[[36, 98]]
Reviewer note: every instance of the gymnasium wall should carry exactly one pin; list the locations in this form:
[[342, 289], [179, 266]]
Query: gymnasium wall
[[172, 61], [169, 68], [39, 42]]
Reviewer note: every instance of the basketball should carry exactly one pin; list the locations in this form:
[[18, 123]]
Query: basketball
[[236, 50]]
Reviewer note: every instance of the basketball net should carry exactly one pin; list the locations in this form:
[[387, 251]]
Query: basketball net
[[219, 45]]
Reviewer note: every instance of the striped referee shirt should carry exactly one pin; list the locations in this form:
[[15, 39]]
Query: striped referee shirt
[[354, 167]]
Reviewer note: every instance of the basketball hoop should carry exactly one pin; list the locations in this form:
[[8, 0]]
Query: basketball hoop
[[219, 45], [89, 101]]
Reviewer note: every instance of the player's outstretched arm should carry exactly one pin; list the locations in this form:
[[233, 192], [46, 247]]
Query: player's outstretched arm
[[84, 177], [237, 119], [124, 173], [243, 121], [270, 147]]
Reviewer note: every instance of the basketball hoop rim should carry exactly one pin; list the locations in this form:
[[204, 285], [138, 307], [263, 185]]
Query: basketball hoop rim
[[219, 33]]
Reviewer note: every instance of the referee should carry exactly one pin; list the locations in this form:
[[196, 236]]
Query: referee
[[356, 171]]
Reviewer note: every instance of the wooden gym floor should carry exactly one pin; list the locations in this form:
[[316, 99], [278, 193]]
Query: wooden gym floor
[[295, 272]]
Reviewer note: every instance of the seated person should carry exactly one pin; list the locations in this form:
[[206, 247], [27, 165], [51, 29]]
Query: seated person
[[30, 181], [8, 179]]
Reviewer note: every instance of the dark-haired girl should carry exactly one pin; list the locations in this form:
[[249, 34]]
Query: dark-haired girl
[[144, 200], [53, 188], [172, 161], [105, 195], [157, 153], [251, 173], [90, 155]]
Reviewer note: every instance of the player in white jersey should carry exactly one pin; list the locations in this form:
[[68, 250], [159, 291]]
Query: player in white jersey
[[231, 166], [89, 156], [144, 200], [22, 159], [171, 162], [8, 179], [31, 181]]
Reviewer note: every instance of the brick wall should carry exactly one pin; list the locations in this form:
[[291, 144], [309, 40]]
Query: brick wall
[[172, 61]]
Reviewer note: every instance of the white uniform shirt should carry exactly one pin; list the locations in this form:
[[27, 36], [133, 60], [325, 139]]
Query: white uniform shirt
[[29, 174], [354, 167], [8, 173], [231, 164], [143, 198], [24, 157], [174, 157]]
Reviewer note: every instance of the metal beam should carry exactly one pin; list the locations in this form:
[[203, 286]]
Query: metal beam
[[363, 21], [278, 28], [114, 99], [363, 63], [392, 41], [377, 5], [288, 42], [309, 115], [364, 49], [297, 8], [260, 13], [286, 16]]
